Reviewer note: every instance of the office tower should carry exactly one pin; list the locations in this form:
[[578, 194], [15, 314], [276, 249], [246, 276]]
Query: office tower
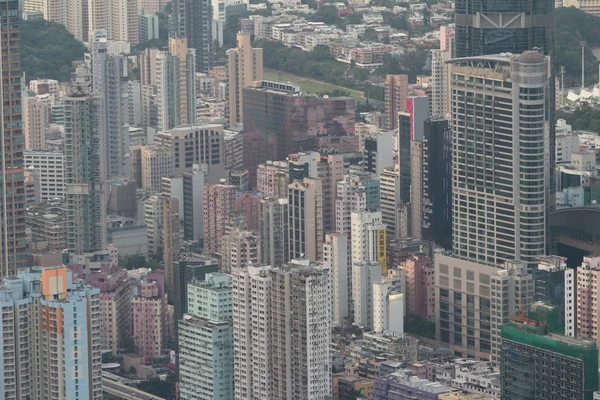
[[280, 120], [272, 178], [192, 20], [364, 274], [336, 255], [35, 116], [466, 285], [12, 244], [125, 21], [150, 315], [388, 308], [51, 168], [436, 182], [356, 192], [156, 162], [273, 232], [206, 340], [107, 71], [404, 156], [396, 93], [252, 332], [239, 248], [378, 152], [244, 66], [61, 363], [417, 107], [115, 299], [218, 204], [84, 172], [233, 149], [368, 239], [536, 363], [509, 177], [191, 267], [193, 219], [389, 190], [197, 144], [305, 216]]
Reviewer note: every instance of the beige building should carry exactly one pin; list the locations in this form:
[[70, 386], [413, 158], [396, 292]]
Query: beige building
[[245, 65], [178, 48], [416, 189], [588, 6], [239, 248], [305, 212], [344, 384], [155, 163], [396, 93], [125, 21], [35, 117]]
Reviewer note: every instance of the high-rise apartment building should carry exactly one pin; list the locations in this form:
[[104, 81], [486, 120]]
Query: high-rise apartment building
[[272, 178], [206, 340], [35, 115], [107, 73], [12, 197], [280, 120], [500, 194], [336, 253], [388, 308], [191, 267], [84, 173], [536, 363], [239, 248], [150, 331], [218, 204], [356, 192], [192, 20], [245, 65], [439, 83], [364, 275], [389, 198], [156, 163], [125, 21], [273, 232], [368, 240], [396, 93], [378, 152], [115, 299], [420, 286], [305, 216], [274, 363], [52, 336], [51, 168]]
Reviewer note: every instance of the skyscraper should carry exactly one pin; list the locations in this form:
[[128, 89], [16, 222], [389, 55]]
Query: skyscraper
[[396, 92], [107, 75], [245, 65], [192, 20], [218, 203], [500, 174], [150, 315], [12, 193], [190, 268], [84, 171], [305, 216], [336, 255], [273, 232], [52, 336]]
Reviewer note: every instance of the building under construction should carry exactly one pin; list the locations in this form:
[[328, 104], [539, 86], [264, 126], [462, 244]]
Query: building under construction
[[537, 364]]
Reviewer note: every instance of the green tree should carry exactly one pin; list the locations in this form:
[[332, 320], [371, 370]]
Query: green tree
[[360, 74], [370, 35], [158, 387], [417, 325], [48, 50], [413, 60]]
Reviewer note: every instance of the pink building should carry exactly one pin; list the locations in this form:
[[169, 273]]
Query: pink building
[[420, 285], [249, 205], [150, 315], [218, 204], [115, 298], [588, 289]]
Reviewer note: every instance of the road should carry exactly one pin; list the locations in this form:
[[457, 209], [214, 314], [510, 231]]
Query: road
[[125, 392]]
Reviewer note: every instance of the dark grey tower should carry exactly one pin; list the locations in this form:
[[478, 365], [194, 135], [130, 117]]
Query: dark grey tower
[[192, 19]]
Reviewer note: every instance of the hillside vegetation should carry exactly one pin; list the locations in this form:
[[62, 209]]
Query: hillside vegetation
[[47, 50]]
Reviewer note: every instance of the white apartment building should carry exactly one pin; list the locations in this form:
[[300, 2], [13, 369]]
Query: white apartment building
[[51, 168], [364, 275], [336, 255]]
